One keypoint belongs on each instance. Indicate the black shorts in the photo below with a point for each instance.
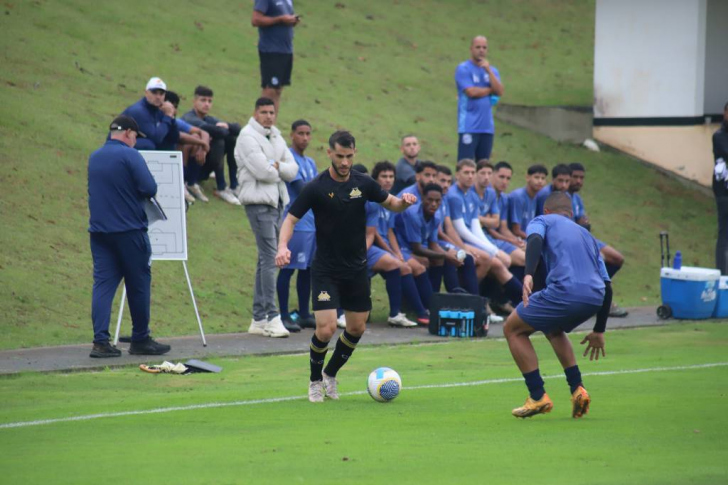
(350, 292)
(275, 69)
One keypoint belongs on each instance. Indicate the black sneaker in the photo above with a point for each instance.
(103, 350)
(148, 347)
(291, 326)
(307, 322)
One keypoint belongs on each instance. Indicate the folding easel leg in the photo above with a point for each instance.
(194, 304)
(121, 313)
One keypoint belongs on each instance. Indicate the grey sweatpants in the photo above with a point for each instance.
(265, 221)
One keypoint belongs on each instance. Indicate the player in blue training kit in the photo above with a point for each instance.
(613, 259)
(560, 180)
(523, 201)
(477, 83)
(303, 242)
(577, 288)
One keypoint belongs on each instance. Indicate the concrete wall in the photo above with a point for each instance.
(571, 125)
(716, 57)
(649, 58)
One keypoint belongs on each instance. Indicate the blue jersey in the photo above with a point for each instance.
(522, 208)
(504, 205)
(463, 205)
(577, 206)
(413, 189)
(279, 37)
(575, 270)
(488, 204)
(475, 115)
(410, 227)
(444, 210)
(306, 172)
(384, 220)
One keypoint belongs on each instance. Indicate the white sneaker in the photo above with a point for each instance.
(330, 387)
(341, 321)
(257, 327)
(316, 391)
(189, 197)
(493, 318)
(400, 320)
(274, 328)
(236, 191)
(227, 196)
(196, 190)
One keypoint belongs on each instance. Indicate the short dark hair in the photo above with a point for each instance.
(425, 164)
(203, 91)
(410, 135)
(560, 169)
(383, 166)
(361, 168)
(558, 202)
(431, 187)
(444, 169)
(465, 162)
(298, 123)
(577, 167)
(172, 97)
(538, 168)
(501, 165)
(342, 138)
(484, 163)
(263, 101)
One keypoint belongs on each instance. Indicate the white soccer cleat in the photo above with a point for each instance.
(316, 391)
(274, 328)
(400, 320)
(341, 321)
(493, 318)
(227, 196)
(257, 327)
(330, 387)
(196, 190)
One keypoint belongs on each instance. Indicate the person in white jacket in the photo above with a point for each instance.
(264, 166)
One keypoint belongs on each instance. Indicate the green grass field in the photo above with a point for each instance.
(379, 68)
(655, 419)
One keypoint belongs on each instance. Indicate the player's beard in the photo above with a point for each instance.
(343, 176)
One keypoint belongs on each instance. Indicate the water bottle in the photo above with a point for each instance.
(677, 262)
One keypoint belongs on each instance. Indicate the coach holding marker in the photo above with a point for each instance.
(339, 277)
(119, 184)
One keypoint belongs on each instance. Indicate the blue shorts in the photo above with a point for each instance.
(406, 252)
(302, 246)
(445, 245)
(374, 254)
(475, 146)
(547, 312)
(601, 244)
(504, 246)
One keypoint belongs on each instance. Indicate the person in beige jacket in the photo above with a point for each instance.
(264, 166)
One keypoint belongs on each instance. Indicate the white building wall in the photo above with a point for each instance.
(716, 57)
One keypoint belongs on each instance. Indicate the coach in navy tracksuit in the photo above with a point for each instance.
(119, 183)
(155, 118)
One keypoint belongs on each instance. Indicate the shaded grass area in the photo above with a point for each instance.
(665, 419)
(380, 69)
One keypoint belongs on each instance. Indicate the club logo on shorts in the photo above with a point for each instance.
(467, 139)
(274, 81)
(355, 193)
(324, 296)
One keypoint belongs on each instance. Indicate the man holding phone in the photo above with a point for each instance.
(275, 21)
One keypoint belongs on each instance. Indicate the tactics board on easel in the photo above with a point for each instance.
(168, 238)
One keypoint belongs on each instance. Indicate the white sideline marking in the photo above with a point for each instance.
(23, 424)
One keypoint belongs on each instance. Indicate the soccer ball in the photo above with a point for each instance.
(384, 384)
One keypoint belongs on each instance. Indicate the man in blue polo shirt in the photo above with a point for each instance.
(155, 118)
(119, 185)
(275, 20)
(477, 81)
(523, 200)
(577, 288)
(303, 242)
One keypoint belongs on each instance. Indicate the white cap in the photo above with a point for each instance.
(156, 83)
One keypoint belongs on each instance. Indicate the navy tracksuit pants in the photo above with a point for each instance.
(118, 255)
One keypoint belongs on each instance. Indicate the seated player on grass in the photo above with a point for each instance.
(560, 180)
(577, 288)
(425, 173)
(381, 259)
(522, 201)
(613, 259)
(500, 180)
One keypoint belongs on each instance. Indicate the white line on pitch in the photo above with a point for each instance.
(87, 417)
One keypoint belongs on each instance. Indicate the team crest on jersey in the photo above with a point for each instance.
(324, 296)
(355, 193)
(331, 195)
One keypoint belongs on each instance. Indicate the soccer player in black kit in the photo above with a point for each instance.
(339, 276)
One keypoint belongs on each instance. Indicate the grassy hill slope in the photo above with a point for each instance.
(379, 68)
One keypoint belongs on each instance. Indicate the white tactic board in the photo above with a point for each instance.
(168, 238)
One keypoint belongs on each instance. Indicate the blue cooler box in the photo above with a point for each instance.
(690, 292)
(721, 308)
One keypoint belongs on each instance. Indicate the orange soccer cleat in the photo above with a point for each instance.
(580, 402)
(531, 407)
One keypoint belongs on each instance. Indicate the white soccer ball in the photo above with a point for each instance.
(384, 384)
